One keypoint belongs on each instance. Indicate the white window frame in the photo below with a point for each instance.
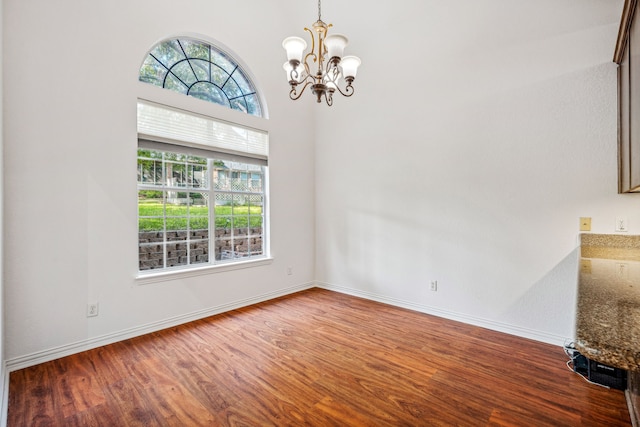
(152, 94)
(211, 192)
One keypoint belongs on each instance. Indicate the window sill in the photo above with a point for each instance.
(147, 278)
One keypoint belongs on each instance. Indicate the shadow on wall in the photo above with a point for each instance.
(550, 303)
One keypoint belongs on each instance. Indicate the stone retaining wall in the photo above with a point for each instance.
(151, 252)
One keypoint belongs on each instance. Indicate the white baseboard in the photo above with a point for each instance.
(471, 320)
(68, 349)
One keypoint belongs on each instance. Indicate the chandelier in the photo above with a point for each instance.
(338, 71)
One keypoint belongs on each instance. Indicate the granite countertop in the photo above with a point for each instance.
(608, 311)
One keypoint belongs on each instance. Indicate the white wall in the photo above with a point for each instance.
(472, 171)
(71, 81)
(3, 373)
(479, 133)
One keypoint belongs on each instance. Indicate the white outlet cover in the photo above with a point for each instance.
(92, 309)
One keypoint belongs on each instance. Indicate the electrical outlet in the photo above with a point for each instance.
(434, 285)
(92, 309)
(621, 224)
(289, 271)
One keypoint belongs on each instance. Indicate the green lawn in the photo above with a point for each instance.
(226, 216)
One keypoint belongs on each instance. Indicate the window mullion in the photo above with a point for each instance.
(212, 213)
(165, 253)
(176, 207)
(185, 179)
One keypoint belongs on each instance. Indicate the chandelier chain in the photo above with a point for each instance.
(319, 14)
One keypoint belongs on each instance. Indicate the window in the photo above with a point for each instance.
(202, 182)
(180, 195)
(200, 70)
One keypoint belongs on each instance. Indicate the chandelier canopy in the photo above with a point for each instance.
(333, 69)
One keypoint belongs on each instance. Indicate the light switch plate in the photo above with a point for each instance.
(585, 223)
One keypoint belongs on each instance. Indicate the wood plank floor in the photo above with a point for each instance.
(315, 358)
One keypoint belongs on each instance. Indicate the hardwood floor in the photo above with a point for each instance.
(315, 358)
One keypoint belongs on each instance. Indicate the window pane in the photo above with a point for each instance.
(177, 254)
(223, 62)
(232, 89)
(242, 82)
(197, 176)
(184, 72)
(174, 220)
(224, 202)
(223, 249)
(199, 223)
(256, 200)
(172, 83)
(241, 248)
(253, 105)
(150, 256)
(192, 61)
(199, 252)
(152, 72)
(174, 157)
(168, 53)
(149, 167)
(240, 204)
(150, 171)
(218, 75)
(196, 160)
(195, 49)
(151, 224)
(199, 213)
(255, 185)
(199, 205)
(240, 182)
(201, 68)
(255, 245)
(220, 176)
(239, 104)
(255, 212)
(177, 228)
(208, 92)
(150, 204)
(176, 174)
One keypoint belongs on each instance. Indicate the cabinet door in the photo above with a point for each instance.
(623, 124)
(634, 104)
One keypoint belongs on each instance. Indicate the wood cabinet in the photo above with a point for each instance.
(627, 56)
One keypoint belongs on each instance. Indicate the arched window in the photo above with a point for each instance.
(198, 69)
(202, 180)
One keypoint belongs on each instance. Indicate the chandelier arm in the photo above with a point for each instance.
(299, 76)
(348, 90)
(331, 69)
(293, 76)
(328, 97)
(312, 52)
(294, 94)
